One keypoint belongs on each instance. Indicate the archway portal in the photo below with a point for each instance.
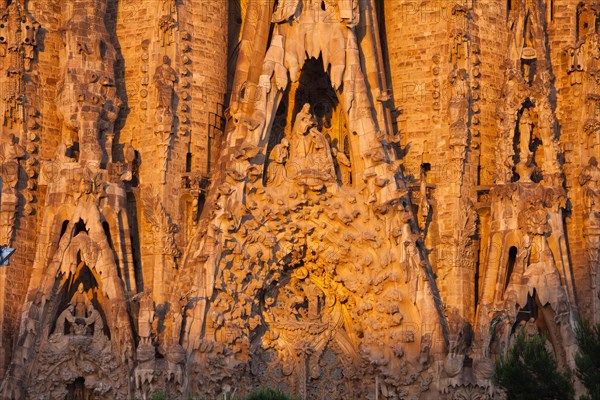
(314, 88)
(78, 391)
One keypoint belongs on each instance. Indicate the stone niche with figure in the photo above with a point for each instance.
(79, 318)
(310, 139)
(78, 347)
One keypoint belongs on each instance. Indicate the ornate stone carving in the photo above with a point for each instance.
(163, 230)
(18, 37)
(589, 179)
(310, 159)
(277, 172)
(531, 275)
(86, 359)
(146, 318)
(289, 238)
(10, 154)
(87, 101)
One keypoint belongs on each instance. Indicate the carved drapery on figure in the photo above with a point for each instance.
(277, 172)
(458, 112)
(146, 318)
(67, 316)
(310, 160)
(526, 157)
(164, 79)
(10, 154)
(80, 301)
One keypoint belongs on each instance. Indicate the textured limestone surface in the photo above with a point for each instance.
(341, 199)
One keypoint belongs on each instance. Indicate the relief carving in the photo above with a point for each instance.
(87, 102)
(10, 155)
(163, 230)
(310, 158)
(589, 179)
(80, 318)
(277, 172)
(307, 229)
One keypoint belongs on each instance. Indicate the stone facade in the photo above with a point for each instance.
(342, 199)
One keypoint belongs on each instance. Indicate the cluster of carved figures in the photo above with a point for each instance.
(303, 266)
(79, 318)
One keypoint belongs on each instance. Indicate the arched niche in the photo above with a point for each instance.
(512, 258)
(528, 156)
(534, 318)
(80, 290)
(314, 88)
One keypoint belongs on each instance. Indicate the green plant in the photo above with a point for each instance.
(160, 395)
(587, 358)
(268, 394)
(530, 372)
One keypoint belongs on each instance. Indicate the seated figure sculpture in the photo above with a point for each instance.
(310, 159)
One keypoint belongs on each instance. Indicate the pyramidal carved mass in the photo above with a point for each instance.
(341, 199)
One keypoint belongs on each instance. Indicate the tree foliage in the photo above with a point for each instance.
(530, 372)
(587, 358)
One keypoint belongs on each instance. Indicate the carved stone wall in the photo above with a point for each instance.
(339, 198)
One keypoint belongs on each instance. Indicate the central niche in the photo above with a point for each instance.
(313, 88)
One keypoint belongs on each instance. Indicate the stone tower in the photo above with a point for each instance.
(342, 199)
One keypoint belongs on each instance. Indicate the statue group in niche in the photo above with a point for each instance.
(80, 317)
(306, 156)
